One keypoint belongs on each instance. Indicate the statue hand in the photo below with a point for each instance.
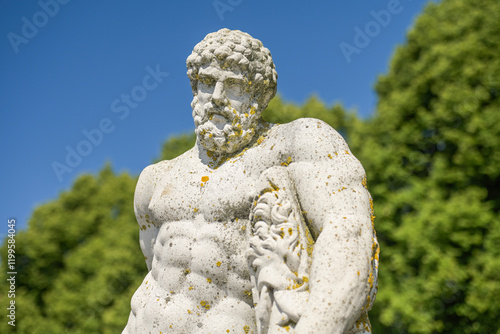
(269, 266)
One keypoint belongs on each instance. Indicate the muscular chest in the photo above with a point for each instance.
(222, 194)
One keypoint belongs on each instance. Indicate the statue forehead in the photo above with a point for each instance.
(215, 71)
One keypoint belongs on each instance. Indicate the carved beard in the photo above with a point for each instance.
(225, 136)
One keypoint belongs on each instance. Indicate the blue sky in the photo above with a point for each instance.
(63, 68)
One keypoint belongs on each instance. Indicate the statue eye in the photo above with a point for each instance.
(207, 81)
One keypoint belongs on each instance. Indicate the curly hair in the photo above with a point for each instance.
(234, 48)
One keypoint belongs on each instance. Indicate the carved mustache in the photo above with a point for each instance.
(209, 110)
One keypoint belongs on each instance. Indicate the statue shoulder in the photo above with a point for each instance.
(147, 182)
(152, 175)
(309, 137)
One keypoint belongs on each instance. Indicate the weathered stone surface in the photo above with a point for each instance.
(259, 228)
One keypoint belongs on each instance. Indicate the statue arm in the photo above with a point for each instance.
(329, 182)
(148, 230)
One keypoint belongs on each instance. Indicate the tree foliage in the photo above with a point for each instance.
(79, 261)
(432, 156)
(432, 152)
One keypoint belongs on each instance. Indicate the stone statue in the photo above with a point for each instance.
(259, 228)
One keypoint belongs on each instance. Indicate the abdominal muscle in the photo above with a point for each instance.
(198, 283)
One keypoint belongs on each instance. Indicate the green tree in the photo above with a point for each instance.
(176, 145)
(432, 152)
(279, 111)
(79, 260)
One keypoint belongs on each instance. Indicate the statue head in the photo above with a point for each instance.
(233, 78)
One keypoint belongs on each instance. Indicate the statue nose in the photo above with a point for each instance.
(219, 95)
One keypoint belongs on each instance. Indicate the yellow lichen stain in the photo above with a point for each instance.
(375, 251)
(371, 279)
(282, 233)
(191, 288)
(243, 228)
(330, 156)
(187, 271)
(209, 280)
(219, 263)
(347, 152)
(248, 293)
(246, 329)
(288, 161)
(358, 272)
(287, 328)
(310, 242)
(205, 304)
(204, 178)
(364, 322)
(195, 210)
(189, 311)
(372, 216)
(273, 186)
(294, 285)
